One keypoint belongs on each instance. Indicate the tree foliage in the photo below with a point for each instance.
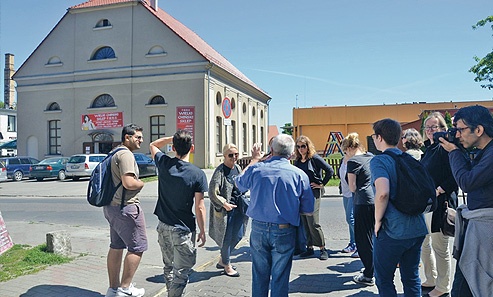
(484, 67)
(286, 130)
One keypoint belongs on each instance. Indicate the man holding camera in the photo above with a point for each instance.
(474, 129)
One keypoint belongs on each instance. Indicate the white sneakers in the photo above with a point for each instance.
(131, 291)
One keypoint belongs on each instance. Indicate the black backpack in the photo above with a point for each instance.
(416, 192)
(101, 188)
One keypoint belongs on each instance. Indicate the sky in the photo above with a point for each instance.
(315, 52)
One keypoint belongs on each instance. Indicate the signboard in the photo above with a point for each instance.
(226, 107)
(5, 240)
(227, 122)
(185, 119)
(97, 121)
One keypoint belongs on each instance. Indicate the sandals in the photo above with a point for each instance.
(218, 266)
(236, 274)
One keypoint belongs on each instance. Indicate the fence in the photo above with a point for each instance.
(334, 162)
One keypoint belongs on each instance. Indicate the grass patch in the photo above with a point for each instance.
(333, 182)
(149, 179)
(22, 260)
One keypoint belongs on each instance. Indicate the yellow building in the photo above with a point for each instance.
(318, 122)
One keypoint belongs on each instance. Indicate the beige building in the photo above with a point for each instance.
(115, 62)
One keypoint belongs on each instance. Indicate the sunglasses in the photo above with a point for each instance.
(235, 154)
(303, 146)
(139, 137)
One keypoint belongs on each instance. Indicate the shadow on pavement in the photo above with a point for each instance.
(347, 267)
(57, 290)
(203, 275)
(157, 279)
(321, 283)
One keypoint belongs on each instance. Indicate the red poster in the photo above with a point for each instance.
(97, 121)
(5, 240)
(185, 119)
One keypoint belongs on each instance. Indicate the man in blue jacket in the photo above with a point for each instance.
(474, 126)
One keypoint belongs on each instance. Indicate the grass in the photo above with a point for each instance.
(22, 259)
(149, 179)
(333, 182)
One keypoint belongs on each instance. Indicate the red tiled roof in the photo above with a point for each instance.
(183, 32)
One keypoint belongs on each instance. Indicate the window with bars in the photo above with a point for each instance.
(254, 134)
(157, 127)
(233, 132)
(54, 137)
(103, 53)
(219, 135)
(262, 138)
(245, 137)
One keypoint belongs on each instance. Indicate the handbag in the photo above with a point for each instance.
(448, 221)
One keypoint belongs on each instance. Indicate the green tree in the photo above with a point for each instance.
(287, 129)
(1, 104)
(484, 67)
(448, 119)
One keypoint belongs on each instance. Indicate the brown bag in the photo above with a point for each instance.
(448, 221)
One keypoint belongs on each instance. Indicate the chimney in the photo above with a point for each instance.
(9, 84)
(154, 4)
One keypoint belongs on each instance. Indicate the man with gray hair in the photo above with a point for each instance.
(279, 192)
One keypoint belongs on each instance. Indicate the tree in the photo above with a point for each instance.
(448, 119)
(1, 104)
(484, 67)
(287, 129)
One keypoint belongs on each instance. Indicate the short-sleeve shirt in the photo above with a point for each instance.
(359, 165)
(123, 162)
(178, 182)
(396, 224)
(279, 191)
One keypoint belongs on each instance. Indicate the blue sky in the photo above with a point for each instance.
(322, 52)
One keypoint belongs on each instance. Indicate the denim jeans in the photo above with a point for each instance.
(387, 253)
(272, 256)
(233, 234)
(179, 256)
(348, 208)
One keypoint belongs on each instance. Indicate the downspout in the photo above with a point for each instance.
(209, 67)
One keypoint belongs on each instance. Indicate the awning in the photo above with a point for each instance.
(9, 145)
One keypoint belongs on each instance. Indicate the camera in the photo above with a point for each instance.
(448, 135)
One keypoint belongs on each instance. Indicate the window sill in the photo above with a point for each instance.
(52, 111)
(102, 60)
(156, 105)
(54, 65)
(102, 28)
(103, 108)
(156, 55)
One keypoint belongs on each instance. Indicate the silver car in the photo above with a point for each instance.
(82, 165)
(3, 172)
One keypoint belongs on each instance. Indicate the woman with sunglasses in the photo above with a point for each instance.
(314, 166)
(435, 159)
(227, 219)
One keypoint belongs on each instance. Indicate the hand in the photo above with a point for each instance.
(257, 153)
(378, 225)
(316, 186)
(448, 146)
(229, 206)
(201, 238)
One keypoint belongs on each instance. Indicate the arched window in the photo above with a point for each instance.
(103, 23)
(53, 106)
(102, 137)
(219, 98)
(105, 52)
(156, 50)
(104, 100)
(54, 60)
(157, 100)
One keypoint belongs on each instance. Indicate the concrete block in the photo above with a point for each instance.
(58, 242)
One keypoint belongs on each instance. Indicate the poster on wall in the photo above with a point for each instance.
(5, 240)
(97, 121)
(185, 119)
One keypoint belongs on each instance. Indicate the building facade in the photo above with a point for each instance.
(115, 62)
(318, 122)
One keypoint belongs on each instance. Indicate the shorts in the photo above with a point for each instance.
(127, 228)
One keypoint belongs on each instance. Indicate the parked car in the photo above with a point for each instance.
(18, 167)
(50, 167)
(147, 166)
(3, 172)
(82, 165)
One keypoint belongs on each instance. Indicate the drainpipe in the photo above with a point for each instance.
(209, 67)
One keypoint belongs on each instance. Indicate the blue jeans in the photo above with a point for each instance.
(272, 255)
(233, 234)
(387, 253)
(348, 207)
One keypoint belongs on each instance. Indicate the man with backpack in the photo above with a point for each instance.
(180, 185)
(126, 218)
(398, 236)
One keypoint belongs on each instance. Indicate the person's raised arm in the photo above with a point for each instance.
(200, 215)
(256, 155)
(157, 144)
